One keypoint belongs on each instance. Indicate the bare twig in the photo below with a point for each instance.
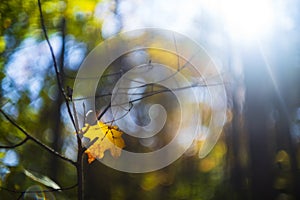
(89, 144)
(21, 196)
(14, 145)
(147, 95)
(95, 77)
(200, 85)
(35, 140)
(79, 169)
(59, 81)
(122, 116)
(39, 191)
(104, 111)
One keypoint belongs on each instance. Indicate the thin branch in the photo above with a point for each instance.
(79, 169)
(152, 93)
(104, 111)
(84, 114)
(50, 46)
(89, 144)
(21, 195)
(37, 141)
(39, 191)
(15, 145)
(95, 77)
(146, 95)
(59, 82)
(148, 92)
(122, 116)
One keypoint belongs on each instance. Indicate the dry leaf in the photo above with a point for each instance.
(107, 138)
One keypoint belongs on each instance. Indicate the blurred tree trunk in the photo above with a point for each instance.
(236, 154)
(56, 111)
(236, 138)
(287, 102)
(258, 108)
(57, 135)
(271, 100)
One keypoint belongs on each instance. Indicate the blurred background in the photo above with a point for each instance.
(255, 45)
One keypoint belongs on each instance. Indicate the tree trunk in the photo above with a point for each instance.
(257, 120)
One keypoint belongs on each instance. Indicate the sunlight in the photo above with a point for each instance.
(247, 20)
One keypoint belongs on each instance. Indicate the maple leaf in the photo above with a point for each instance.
(105, 137)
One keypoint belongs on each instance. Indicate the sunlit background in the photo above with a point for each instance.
(255, 45)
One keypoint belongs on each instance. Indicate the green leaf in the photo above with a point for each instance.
(42, 179)
(2, 154)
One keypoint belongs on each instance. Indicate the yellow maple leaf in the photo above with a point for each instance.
(105, 137)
